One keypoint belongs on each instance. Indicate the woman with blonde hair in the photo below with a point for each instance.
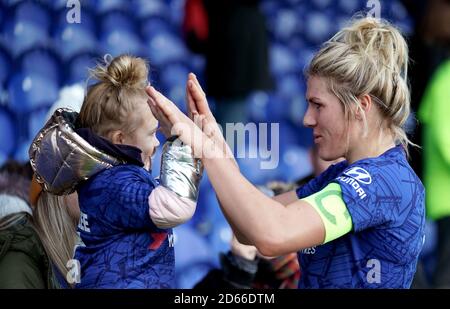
(104, 154)
(360, 224)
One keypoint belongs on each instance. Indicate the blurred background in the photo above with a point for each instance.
(41, 54)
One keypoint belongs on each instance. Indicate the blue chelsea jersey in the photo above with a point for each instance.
(122, 248)
(385, 199)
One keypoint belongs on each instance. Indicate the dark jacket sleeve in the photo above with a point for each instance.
(236, 273)
(19, 271)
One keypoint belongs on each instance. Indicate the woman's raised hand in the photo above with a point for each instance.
(203, 136)
(174, 121)
(200, 113)
(196, 99)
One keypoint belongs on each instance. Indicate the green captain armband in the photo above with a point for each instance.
(332, 210)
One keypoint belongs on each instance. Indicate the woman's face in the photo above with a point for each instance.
(144, 137)
(325, 115)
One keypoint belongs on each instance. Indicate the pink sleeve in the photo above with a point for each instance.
(167, 209)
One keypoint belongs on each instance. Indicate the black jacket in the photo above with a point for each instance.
(23, 261)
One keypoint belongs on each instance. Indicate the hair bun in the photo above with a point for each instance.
(124, 71)
(377, 39)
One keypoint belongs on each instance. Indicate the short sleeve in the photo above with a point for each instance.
(319, 182)
(371, 196)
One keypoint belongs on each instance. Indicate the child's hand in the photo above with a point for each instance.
(175, 122)
(164, 123)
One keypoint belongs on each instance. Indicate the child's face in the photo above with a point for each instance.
(144, 137)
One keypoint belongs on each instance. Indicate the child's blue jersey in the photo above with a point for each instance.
(122, 247)
(385, 199)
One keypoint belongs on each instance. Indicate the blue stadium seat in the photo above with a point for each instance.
(220, 238)
(42, 62)
(30, 91)
(266, 107)
(189, 246)
(349, 7)
(191, 251)
(176, 11)
(288, 134)
(33, 12)
(104, 6)
(431, 238)
(295, 163)
(155, 8)
(208, 210)
(36, 120)
(198, 64)
(156, 160)
(8, 135)
(290, 85)
(173, 82)
(59, 5)
(254, 164)
(305, 56)
(297, 110)
(117, 20)
(270, 7)
(23, 35)
(319, 27)
(3, 158)
(428, 256)
(27, 26)
(285, 24)
(164, 48)
(3, 13)
(119, 35)
(121, 42)
(177, 94)
(72, 39)
(174, 75)
(401, 18)
(77, 68)
(152, 26)
(21, 153)
(321, 4)
(282, 60)
(5, 65)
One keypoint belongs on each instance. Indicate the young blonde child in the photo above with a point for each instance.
(104, 154)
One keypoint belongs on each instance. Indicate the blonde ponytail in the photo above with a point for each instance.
(56, 229)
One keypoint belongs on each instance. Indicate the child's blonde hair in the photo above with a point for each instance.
(369, 56)
(108, 104)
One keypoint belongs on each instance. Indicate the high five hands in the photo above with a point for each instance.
(199, 130)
